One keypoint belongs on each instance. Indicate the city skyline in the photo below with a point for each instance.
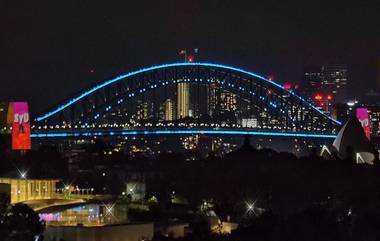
(212, 120)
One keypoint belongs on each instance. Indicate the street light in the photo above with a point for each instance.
(23, 174)
(250, 207)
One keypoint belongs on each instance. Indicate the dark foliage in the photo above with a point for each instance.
(19, 223)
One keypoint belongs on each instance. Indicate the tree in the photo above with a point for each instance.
(20, 223)
(201, 227)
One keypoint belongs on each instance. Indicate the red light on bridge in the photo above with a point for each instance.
(270, 77)
(190, 59)
(318, 97)
(290, 86)
(287, 86)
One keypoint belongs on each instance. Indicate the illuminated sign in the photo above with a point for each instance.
(249, 123)
(20, 126)
(362, 115)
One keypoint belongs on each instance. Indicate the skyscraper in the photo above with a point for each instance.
(228, 101)
(213, 91)
(335, 79)
(326, 82)
(313, 78)
(183, 100)
(220, 100)
(168, 110)
(143, 111)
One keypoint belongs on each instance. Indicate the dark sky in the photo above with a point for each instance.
(49, 48)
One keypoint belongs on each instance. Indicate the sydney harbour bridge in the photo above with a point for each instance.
(186, 98)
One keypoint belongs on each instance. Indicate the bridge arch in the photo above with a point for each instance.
(292, 110)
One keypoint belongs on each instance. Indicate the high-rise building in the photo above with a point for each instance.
(212, 98)
(168, 114)
(335, 79)
(325, 84)
(313, 78)
(143, 111)
(220, 100)
(183, 100)
(228, 101)
(374, 118)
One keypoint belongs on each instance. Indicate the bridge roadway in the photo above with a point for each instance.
(107, 133)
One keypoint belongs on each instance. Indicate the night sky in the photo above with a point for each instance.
(53, 49)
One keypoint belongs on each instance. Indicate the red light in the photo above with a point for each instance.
(269, 92)
(287, 86)
(190, 59)
(296, 86)
(329, 97)
(318, 97)
(270, 77)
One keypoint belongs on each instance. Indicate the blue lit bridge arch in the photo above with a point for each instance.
(182, 98)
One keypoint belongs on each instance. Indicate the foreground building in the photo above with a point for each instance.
(22, 190)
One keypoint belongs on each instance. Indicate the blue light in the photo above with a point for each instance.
(179, 132)
(108, 82)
